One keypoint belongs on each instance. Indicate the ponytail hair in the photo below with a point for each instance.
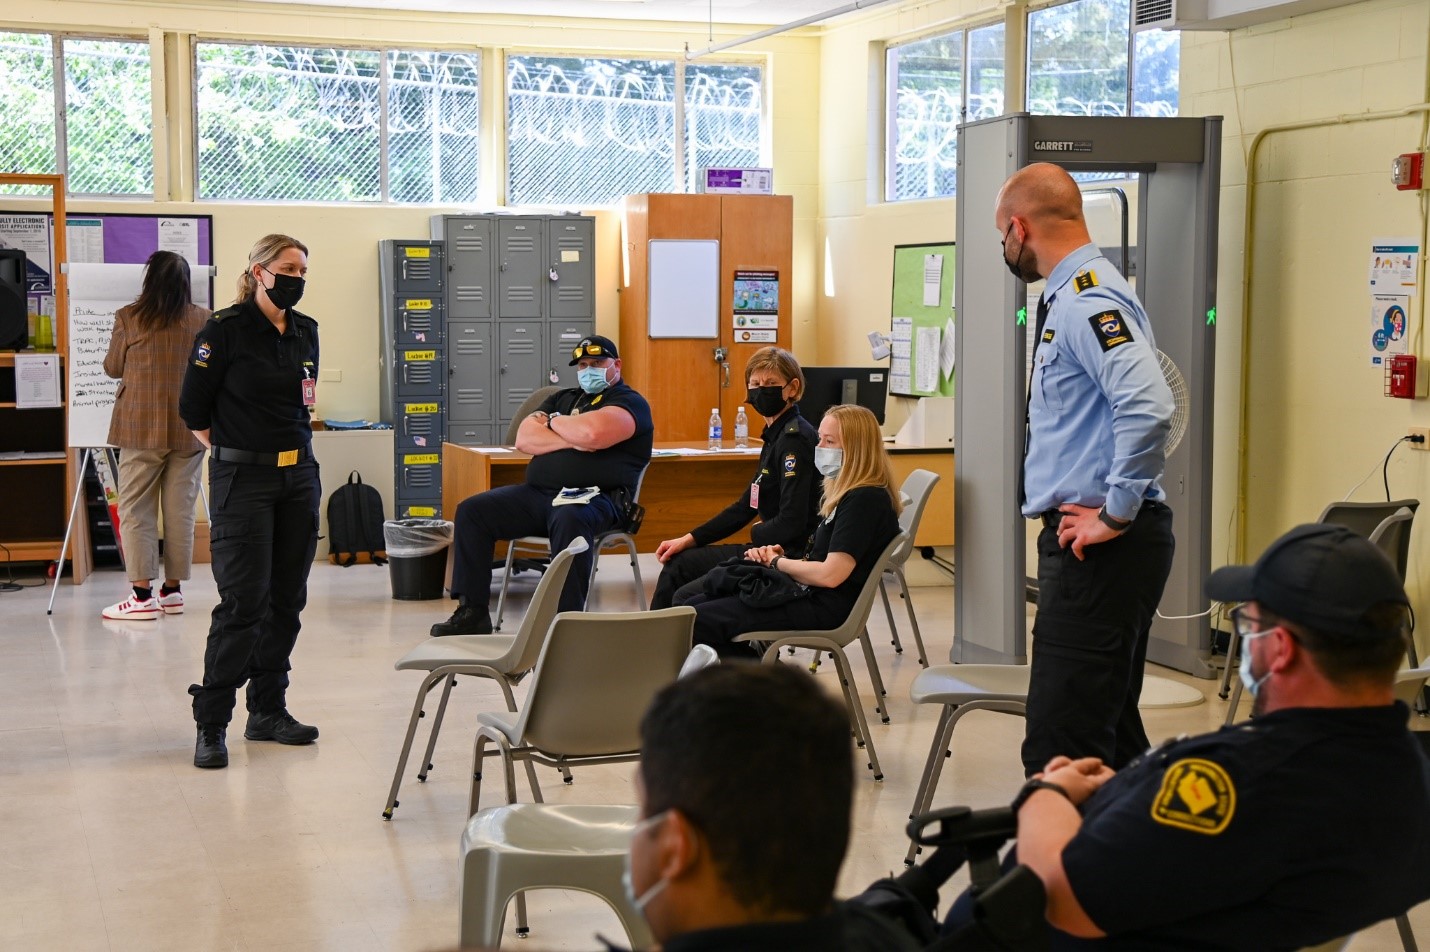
(264, 252)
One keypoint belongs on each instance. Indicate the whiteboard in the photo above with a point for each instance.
(96, 292)
(684, 288)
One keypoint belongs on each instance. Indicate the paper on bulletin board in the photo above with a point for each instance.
(902, 347)
(31, 234)
(933, 279)
(947, 351)
(181, 236)
(1389, 327)
(756, 337)
(37, 381)
(84, 240)
(926, 353)
(1394, 265)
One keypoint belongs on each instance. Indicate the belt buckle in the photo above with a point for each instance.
(288, 458)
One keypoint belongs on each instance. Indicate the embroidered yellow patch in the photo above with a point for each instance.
(1196, 795)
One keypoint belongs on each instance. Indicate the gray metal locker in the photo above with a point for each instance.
(469, 397)
(521, 271)
(471, 264)
(419, 476)
(418, 426)
(520, 360)
(562, 338)
(418, 373)
(418, 321)
(417, 268)
(571, 278)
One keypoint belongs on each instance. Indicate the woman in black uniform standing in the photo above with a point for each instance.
(861, 516)
(247, 395)
(784, 493)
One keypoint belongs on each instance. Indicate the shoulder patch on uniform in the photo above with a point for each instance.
(1048, 336)
(1196, 795)
(1111, 329)
(1084, 280)
(202, 353)
(789, 465)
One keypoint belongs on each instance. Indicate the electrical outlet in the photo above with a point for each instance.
(1420, 438)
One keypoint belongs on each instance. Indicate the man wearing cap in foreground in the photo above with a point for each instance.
(597, 435)
(1305, 824)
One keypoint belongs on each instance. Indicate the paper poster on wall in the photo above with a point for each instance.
(1394, 265)
(31, 234)
(37, 381)
(84, 240)
(756, 337)
(757, 292)
(752, 321)
(181, 236)
(1389, 326)
(901, 347)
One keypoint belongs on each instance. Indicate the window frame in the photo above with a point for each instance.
(61, 105)
(1130, 103)
(384, 101)
(678, 171)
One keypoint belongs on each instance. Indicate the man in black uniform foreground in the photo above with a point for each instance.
(1303, 825)
(596, 435)
(741, 838)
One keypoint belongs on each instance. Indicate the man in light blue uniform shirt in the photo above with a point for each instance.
(1099, 411)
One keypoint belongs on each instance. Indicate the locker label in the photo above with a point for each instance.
(568, 257)
(417, 252)
(419, 304)
(420, 459)
(421, 355)
(421, 512)
(421, 408)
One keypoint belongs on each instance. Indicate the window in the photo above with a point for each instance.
(336, 125)
(584, 131)
(1077, 63)
(106, 137)
(932, 85)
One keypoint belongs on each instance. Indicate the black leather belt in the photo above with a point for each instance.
(285, 458)
(1052, 518)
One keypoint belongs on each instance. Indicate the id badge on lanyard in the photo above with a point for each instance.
(755, 494)
(310, 389)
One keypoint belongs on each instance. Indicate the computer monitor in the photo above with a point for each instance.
(825, 387)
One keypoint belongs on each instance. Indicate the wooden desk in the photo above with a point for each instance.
(681, 492)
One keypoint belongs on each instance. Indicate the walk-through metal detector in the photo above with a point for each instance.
(1176, 165)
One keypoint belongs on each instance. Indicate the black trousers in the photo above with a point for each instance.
(719, 619)
(1090, 642)
(263, 533)
(510, 512)
(681, 577)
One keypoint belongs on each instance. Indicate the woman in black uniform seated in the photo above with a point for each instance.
(784, 493)
(861, 515)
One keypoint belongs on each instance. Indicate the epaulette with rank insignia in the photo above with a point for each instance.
(224, 314)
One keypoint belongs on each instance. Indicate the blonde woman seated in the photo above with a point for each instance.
(861, 515)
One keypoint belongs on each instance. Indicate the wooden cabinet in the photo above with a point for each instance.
(680, 376)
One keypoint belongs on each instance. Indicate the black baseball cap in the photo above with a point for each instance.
(596, 347)
(1319, 575)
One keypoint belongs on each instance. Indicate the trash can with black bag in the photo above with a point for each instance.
(417, 557)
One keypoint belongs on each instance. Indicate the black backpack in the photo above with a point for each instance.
(355, 524)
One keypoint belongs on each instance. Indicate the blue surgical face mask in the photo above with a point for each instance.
(592, 379)
(1248, 679)
(829, 460)
(640, 902)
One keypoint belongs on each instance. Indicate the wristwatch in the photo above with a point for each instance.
(551, 416)
(1032, 787)
(1112, 522)
(775, 562)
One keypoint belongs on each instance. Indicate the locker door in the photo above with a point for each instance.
(469, 390)
(571, 254)
(419, 426)
(418, 268)
(470, 263)
(519, 365)
(520, 270)
(420, 373)
(418, 322)
(562, 340)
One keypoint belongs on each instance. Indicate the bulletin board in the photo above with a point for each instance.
(920, 330)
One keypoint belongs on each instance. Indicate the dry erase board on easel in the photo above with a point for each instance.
(921, 313)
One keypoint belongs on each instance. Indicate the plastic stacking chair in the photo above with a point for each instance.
(596, 675)
(503, 658)
(834, 641)
(539, 546)
(520, 846)
(1391, 535)
(961, 689)
(917, 487)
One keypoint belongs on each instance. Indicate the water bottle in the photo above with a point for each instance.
(717, 431)
(742, 429)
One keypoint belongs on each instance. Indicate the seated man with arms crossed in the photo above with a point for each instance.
(746, 783)
(598, 434)
(1300, 826)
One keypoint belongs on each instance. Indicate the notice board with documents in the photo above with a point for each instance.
(922, 320)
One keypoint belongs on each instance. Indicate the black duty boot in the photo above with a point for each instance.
(281, 726)
(466, 620)
(209, 749)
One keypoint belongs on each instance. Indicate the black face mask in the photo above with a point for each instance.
(768, 402)
(1016, 265)
(287, 290)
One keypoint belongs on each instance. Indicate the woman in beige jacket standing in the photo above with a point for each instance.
(159, 458)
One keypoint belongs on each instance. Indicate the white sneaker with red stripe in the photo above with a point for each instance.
(173, 603)
(133, 609)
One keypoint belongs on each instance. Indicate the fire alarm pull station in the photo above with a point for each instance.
(1400, 376)
(1407, 172)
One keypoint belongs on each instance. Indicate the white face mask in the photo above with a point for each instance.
(644, 899)
(1248, 679)
(829, 460)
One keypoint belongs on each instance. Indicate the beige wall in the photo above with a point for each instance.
(343, 289)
